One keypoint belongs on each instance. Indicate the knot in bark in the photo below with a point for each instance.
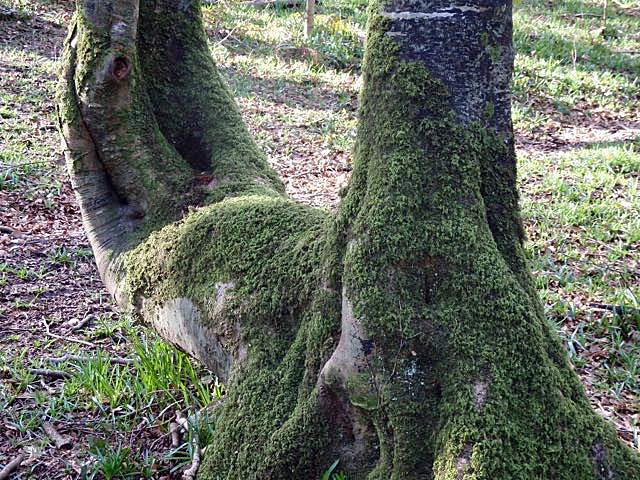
(121, 67)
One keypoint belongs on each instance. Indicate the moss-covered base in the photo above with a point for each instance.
(278, 320)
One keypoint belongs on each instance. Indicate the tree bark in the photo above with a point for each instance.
(401, 334)
(310, 11)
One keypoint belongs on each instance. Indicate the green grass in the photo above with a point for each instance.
(111, 398)
(567, 61)
(582, 210)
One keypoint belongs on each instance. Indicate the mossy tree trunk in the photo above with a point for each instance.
(401, 334)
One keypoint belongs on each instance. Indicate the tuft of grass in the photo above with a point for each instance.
(62, 256)
(114, 400)
(112, 462)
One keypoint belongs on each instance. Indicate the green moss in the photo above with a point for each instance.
(489, 110)
(269, 246)
(494, 52)
(67, 110)
(274, 252)
(435, 272)
(362, 393)
(194, 108)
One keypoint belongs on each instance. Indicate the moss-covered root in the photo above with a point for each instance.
(248, 286)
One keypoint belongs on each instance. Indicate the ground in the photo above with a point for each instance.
(577, 119)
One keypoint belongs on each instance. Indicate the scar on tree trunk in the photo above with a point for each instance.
(400, 334)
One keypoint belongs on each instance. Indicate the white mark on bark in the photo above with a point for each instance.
(442, 13)
(480, 390)
(119, 29)
(463, 461)
(221, 293)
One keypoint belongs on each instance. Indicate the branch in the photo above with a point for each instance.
(190, 473)
(11, 467)
(274, 3)
(80, 358)
(43, 372)
(66, 339)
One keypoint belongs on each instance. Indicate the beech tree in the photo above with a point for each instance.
(401, 334)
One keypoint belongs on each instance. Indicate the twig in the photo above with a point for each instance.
(61, 441)
(79, 358)
(81, 323)
(273, 3)
(175, 434)
(11, 467)
(66, 339)
(14, 165)
(305, 173)
(181, 420)
(227, 36)
(578, 15)
(14, 329)
(617, 309)
(50, 373)
(190, 473)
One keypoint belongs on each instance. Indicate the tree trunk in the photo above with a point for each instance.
(401, 334)
(310, 11)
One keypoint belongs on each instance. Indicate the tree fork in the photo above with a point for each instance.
(401, 334)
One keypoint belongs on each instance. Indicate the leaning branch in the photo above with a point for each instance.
(190, 473)
(61, 441)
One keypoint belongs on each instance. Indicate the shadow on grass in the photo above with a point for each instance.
(324, 50)
(310, 93)
(44, 36)
(591, 55)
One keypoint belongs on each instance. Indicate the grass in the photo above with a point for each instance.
(583, 216)
(105, 398)
(569, 58)
(580, 203)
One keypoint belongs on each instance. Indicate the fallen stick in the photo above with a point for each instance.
(11, 467)
(80, 358)
(66, 339)
(617, 309)
(73, 326)
(174, 429)
(191, 472)
(61, 441)
(43, 372)
(274, 3)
